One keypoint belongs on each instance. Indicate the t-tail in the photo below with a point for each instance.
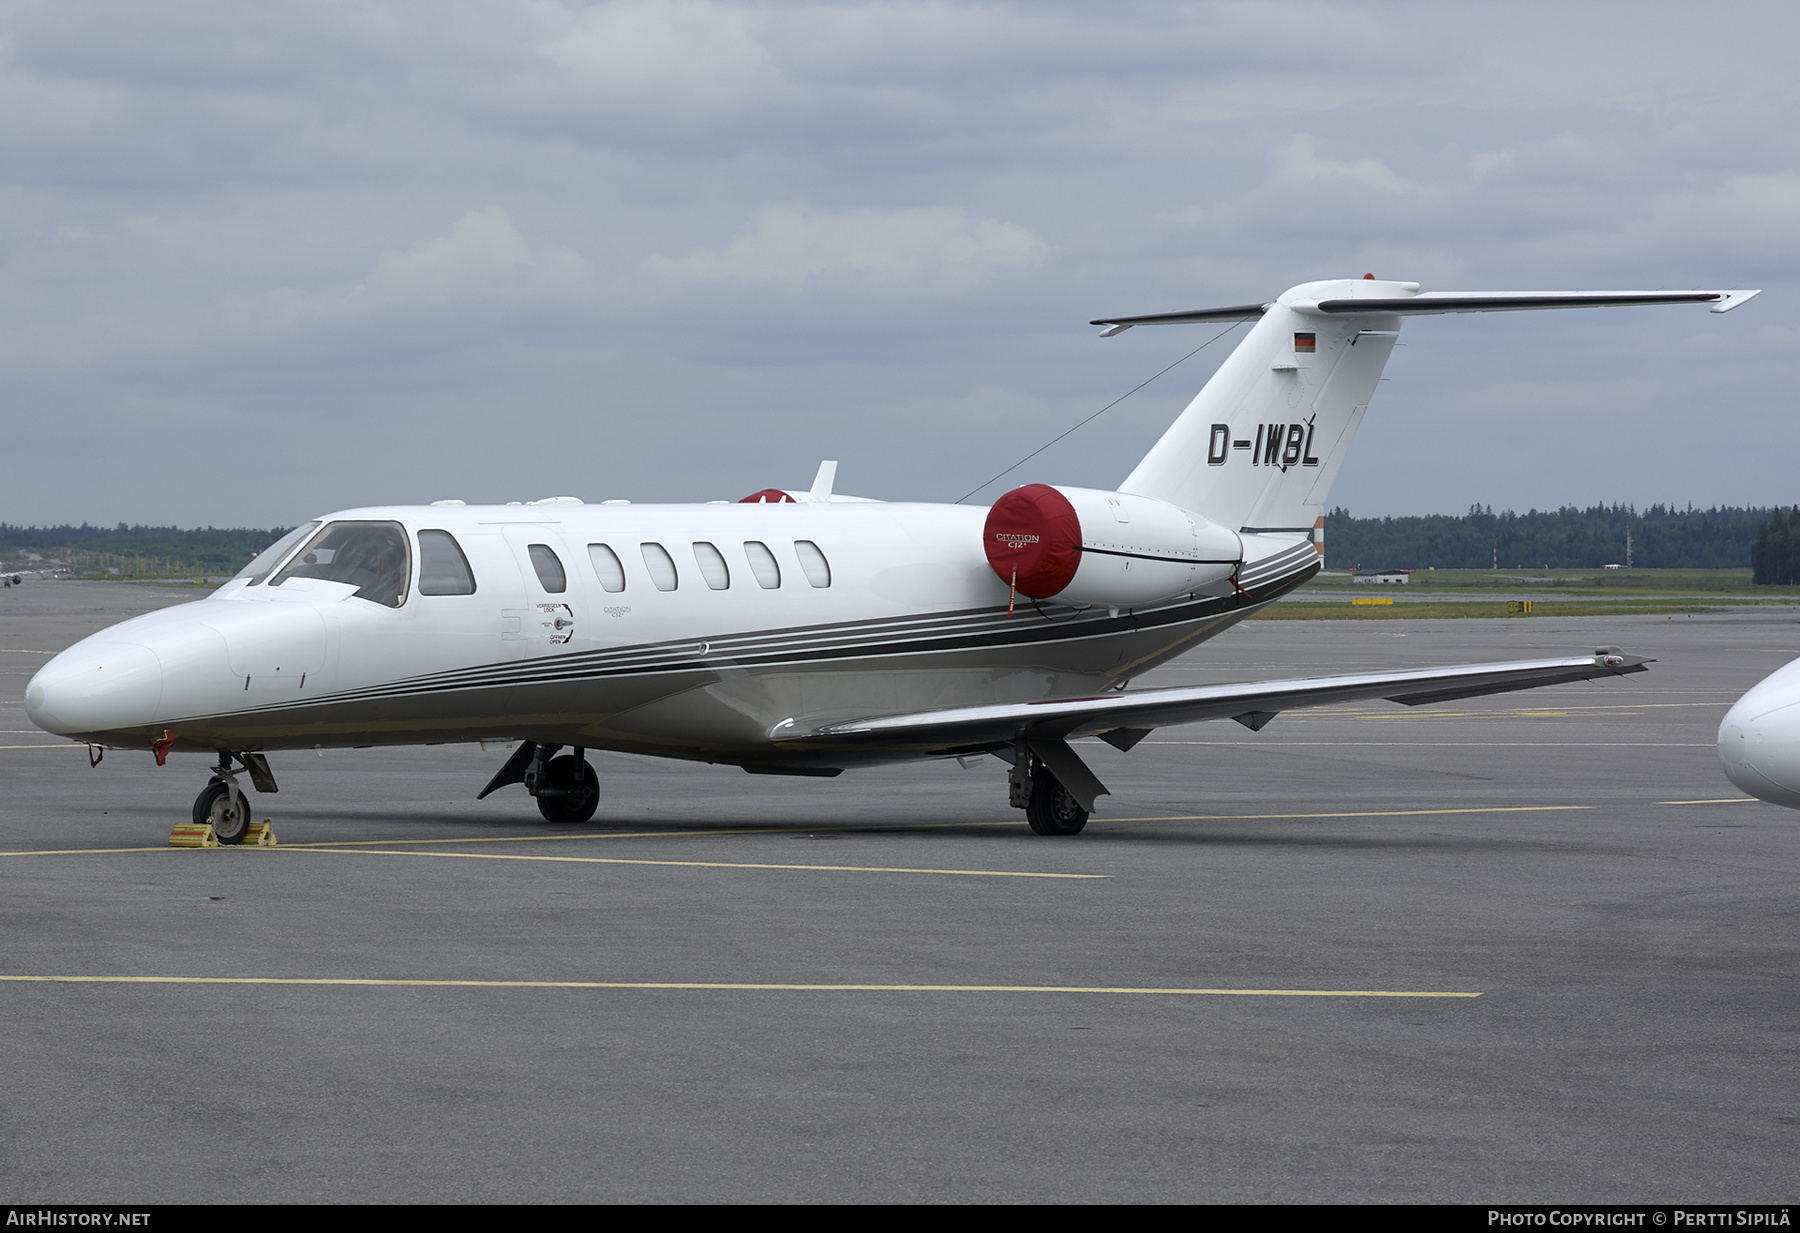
(1231, 500)
(1259, 446)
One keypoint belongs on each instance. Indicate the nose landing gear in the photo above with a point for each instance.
(224, 804)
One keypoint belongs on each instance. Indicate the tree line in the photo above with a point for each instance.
(1775, 552)
(213, 550)
(1661, 537)
(1764, 539)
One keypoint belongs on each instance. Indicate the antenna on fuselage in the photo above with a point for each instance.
(822, 482)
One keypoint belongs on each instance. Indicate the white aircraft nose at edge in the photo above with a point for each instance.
(801, 633)
(1759, 738)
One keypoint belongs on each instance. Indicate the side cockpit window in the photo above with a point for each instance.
(370, 556)
(443, 569)
(263, 563)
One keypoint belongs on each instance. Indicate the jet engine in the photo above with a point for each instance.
(1086, 546)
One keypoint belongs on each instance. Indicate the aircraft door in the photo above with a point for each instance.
(554, 591)
(467, 578)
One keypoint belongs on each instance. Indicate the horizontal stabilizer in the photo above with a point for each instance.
(1433, 302)
(1239, 312)
(977, 727)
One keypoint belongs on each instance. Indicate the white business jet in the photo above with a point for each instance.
(1759, 738)
(801, 632)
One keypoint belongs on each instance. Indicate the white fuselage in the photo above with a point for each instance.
(906, 613)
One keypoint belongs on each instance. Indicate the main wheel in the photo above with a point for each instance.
(565, 797)
(1052, 810)
(229, 815)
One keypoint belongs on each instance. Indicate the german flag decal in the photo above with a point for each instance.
(1304, 343)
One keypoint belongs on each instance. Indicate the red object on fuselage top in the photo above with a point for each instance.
(1033, 540)
(767, 496)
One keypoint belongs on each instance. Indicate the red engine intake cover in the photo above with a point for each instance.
(1033, 540)
(768, 496)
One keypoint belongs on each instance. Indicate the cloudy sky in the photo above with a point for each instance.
(261, 261)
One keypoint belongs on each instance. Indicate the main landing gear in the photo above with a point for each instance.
(1051, 783)
(223, 803)
(1052, 810)
(567, 788)
(1049, 807)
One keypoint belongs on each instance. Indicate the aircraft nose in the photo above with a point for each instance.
(95, 688)
(1759, 746)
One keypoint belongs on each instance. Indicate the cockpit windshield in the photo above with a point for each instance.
(263, 563)
(370, 556)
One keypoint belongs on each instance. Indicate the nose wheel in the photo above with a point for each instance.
(223, 805)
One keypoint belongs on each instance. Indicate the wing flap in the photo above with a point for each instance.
(975, 727)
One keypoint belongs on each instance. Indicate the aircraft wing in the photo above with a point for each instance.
(1124, 718)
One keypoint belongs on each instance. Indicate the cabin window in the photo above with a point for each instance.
(813, 563)
(370, 556)
(607, 567)
(763, 564)
(549, 568)
(263, 563)
(443, 569)
(712, 566)
(661, 566)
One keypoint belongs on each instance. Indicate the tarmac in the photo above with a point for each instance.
(1532, 948)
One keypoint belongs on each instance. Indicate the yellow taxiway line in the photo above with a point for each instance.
(1370, 813)
(736, 986)
(348, 845)
(615, 860)
(395, 843)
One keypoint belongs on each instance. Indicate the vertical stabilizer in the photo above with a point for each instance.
(1260, 445)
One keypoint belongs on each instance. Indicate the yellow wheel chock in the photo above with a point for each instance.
(191, 835)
